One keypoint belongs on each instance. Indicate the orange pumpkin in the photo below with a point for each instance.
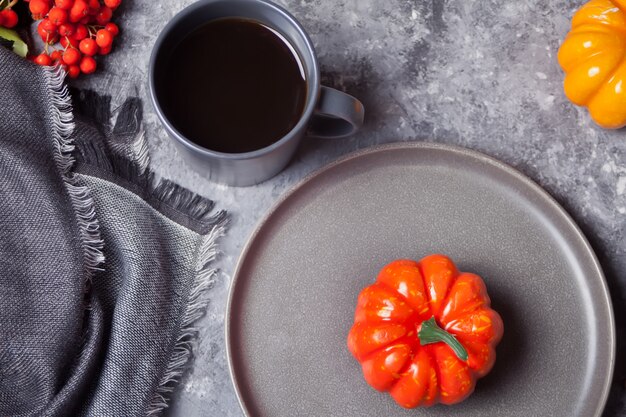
(593, 56)
(397, 338)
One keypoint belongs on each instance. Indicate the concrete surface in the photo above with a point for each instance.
(480, 74)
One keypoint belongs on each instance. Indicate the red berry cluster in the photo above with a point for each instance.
(8, 17)
(81, 27)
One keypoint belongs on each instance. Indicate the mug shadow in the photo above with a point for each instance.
(360, 81)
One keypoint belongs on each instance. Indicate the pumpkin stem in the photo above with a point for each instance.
(430, 332)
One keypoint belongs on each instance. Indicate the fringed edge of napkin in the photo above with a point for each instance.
(196, 307)
(204, 280)
(127, 164)
(62, 127)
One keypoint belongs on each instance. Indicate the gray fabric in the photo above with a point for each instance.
(41, 260)
(102, 268)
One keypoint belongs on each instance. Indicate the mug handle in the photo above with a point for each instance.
(337, 115)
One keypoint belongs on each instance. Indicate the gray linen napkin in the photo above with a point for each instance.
(102, 267)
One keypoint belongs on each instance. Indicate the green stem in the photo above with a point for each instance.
(432, 333)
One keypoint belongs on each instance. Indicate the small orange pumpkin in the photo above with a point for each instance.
(593, 56)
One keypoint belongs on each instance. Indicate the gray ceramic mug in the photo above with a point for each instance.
(328, 113)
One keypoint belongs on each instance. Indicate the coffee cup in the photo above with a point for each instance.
(209, 126)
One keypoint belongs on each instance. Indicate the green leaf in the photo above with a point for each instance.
(19, 46)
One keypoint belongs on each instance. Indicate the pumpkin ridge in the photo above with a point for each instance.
(605, 80)
(589, 14)
(426, 290)
(435, 366)
(599, 24)
(389, 288)
(468, 314)
(471, 348)
(482, 302)
(595, 54)
(608, 40)
(454, 280)
(406, 366)
(618, 61)
(397, 341)
(587, 27)
(445, 297)
(620, 6)
(400, 295)
(405, 298)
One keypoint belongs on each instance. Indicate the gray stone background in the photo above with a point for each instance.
(480, 74)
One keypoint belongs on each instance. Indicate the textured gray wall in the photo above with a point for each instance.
(480, 74)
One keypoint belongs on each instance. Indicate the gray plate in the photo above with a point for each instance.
(294, 291)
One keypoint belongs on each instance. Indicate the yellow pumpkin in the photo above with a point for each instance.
(593, 56)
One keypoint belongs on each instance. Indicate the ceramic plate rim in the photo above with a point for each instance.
(463, 152)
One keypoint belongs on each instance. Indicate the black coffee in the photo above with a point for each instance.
(233, 85)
